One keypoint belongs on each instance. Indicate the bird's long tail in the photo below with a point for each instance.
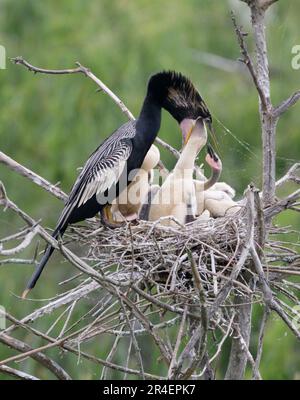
(59, 231)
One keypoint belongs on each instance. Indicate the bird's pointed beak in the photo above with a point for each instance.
(210, 151)
(213, 135)
(212, 159)
(187, 126)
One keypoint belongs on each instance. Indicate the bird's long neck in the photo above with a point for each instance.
(147, 125)
(212, 179)
(189, 153)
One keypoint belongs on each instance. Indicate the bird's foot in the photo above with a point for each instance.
(107, 222)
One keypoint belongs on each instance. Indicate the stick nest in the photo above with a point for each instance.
(174, 264)
(156, 255)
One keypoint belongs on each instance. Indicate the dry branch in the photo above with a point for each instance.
(290, 176)
(286, 104)
(27, 173)
(17, 374)
(246, 59)
(36, 354)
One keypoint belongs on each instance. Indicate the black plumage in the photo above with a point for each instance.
(106, 172)
(179, 96)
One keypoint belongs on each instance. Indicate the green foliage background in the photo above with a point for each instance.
(52, 123)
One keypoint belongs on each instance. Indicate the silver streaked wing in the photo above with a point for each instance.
(106, 172)
(102, 158)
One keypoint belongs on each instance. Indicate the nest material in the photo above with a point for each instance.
(157, 255)
(158, 259)
(154, 255)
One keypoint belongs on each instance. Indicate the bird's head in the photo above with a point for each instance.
(213, 160)
(176, 93)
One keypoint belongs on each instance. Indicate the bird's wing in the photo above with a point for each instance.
(105, 152)
(106, 172)
(101, 171)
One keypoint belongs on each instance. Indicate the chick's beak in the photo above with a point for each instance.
(212, 159)
(187, 126)
(213, 136)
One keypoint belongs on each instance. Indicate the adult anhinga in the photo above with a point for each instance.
(106, 172)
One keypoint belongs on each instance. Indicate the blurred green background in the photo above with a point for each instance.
(52, 123)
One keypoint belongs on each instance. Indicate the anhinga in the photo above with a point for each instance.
(127, 206)
(176, 197)
(106, 172)
(219, 203)
(224, 187)
(218, 200)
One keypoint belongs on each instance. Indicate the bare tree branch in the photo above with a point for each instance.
(262, 4)
(17, 374)
(265, 4)
(260, 341)
(173, 367)
(290, 176)
(268, 296)
(25, 243)
(82, 70)
(286, 104)
(282, 204)
(246, 59)
(36, 354)
(238, 353)
(261, 79)
(27, 173)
